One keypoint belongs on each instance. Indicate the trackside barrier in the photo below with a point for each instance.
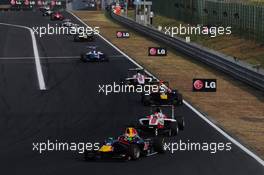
(228, 65)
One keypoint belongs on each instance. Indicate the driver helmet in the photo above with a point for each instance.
(130, 133)
(162, 85)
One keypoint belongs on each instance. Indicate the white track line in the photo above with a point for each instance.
(50, 57)
(250, 153)
(41, 81)
(29, 58)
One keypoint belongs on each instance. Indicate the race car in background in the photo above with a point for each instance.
(44, 8)
(164, 96)
(158, 123)
(129, 146)
(57, 16)
(93, 55)
(83, 36)
(68, 23)
(47, 13)
(137, 76)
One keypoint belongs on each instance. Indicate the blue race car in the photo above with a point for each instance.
(93, 55)
(129, 146)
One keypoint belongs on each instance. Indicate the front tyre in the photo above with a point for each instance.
(173, 129)
(134, 152)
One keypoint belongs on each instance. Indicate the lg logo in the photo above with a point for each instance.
(157, 51)
(198, 84)
(211, 85)
(204, 85)
(153, 51)
(122, 34)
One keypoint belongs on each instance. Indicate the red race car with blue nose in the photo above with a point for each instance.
(129, 146)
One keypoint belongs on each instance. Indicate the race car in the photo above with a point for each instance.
(83, 36)
(47, 13)
(94, 55)
(68, 23)
(44, 8)
(57, 16)
(164, 96)
(129, 146)
(159, 123)
(137, 76)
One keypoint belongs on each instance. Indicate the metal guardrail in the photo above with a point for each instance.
(242, 72)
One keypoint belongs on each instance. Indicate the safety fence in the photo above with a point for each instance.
(242, 72)
(245, 19)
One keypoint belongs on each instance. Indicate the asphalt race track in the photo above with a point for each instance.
(72, 110)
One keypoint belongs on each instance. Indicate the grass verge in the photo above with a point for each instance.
(232, 45)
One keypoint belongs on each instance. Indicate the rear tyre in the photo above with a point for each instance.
(134, 152)
(174, 129)
(181, 123)
(158, 145)
(179, 99)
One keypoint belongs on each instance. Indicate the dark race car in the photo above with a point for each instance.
(47, 13)
(93, 55)
(57, 16)
(158, 123)
(68, 23)
(83, 36)
(127, 147)
(44, 8)
(137, 76)
(164, 95)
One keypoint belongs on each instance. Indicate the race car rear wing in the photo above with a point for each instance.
(171, 106)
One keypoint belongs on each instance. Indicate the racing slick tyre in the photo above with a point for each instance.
(179, 99)
(181, 123)
(173, 129)
(133, 152)
(158, 145)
